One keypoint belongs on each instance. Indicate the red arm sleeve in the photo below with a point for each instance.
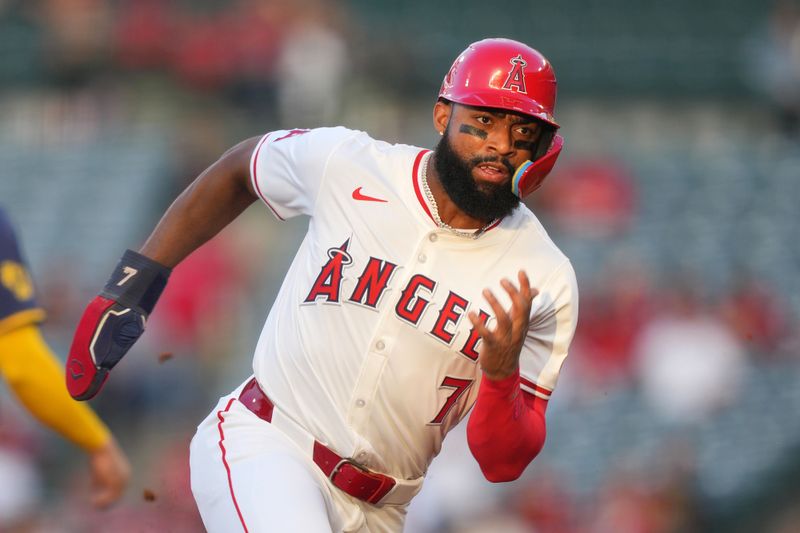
(506, 429)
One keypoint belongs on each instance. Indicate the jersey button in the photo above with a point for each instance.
(360, 403)
(422, 258)
(433, 237)
(380, 345)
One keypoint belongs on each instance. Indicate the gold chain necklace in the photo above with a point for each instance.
(471, 234)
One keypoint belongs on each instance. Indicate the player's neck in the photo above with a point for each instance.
(449, 212)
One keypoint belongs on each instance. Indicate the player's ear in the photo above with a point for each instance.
(441, 115)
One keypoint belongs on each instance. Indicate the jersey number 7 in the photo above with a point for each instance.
(460, 386)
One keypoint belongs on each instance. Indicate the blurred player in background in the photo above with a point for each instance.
(34, 375)
(423, 289)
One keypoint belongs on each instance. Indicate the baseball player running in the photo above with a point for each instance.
(423, 289)
(34, 375)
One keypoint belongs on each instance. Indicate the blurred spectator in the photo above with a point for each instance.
(613, 311)
(312, 66)
(755, 315)
(774, 66)
(143, 32)
(544, 504)
(18, 507)
(195, 314)
(77, 35)
(592, 198)
(200, 58)
(689, 363)
(623, 506)
(22, 485)
(654, 498)
(259, 28)
(493, 522)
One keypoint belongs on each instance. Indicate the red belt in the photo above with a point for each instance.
(345, 474)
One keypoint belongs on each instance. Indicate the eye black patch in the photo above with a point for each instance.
(472, 130)
(525, 145)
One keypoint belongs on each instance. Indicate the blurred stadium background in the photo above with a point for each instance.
(676, 199)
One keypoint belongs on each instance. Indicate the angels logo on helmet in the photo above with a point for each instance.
(515, 81)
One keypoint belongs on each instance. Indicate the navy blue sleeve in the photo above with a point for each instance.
(17, 294)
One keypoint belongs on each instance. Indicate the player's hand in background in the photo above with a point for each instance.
(501, 347)
(112, 322)
(110, 474)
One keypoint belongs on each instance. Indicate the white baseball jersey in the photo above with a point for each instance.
(367, 345)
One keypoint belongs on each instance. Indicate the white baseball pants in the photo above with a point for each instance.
(248, 476)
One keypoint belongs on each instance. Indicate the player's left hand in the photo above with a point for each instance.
(501, 347)
(110, 474)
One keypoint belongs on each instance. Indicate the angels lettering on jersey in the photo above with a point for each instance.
(412, 303)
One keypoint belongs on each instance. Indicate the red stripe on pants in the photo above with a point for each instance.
(225, 461)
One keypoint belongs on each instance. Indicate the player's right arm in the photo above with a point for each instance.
(115, 319)
(283, 168)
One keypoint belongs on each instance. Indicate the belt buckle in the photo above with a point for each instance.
(340, 464)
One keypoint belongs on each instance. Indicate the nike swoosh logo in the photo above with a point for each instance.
(357, 195)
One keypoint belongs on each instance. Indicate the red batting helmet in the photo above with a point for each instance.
(509, 75)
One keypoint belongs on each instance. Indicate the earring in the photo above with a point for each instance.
(441, 133)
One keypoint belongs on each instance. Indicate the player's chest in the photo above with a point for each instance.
(423, 279)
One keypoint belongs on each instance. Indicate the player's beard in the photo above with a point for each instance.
(485, 201)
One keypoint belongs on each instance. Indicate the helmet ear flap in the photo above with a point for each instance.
(530, 174)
